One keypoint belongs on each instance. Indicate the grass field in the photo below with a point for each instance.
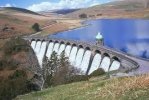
(130, 88)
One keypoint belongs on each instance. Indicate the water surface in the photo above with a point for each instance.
(127, 35)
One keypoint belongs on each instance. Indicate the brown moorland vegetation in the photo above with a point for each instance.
(18, 65)
(18, 23)
(14, 22)
(116, 9)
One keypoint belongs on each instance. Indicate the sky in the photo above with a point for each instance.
(43, 5)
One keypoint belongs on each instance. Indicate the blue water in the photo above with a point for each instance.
(127, 35)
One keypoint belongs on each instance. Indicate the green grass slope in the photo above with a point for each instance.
(130, 88)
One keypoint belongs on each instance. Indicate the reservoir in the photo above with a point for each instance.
(126, 35)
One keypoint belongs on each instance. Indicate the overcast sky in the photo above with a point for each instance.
(42, 5)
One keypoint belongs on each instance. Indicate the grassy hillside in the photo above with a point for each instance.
(130, 88)
(116, 9)
(17, 21)
(21, 10)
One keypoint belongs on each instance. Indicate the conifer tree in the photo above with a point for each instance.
(50, 68)
(62, 70)
(57, 70)
(36, 27)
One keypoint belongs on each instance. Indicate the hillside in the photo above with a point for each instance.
(18, 66)
(116, 9)
(21, 10)
(17, 21)
(64, 11)
(129, 88)
(60, 11)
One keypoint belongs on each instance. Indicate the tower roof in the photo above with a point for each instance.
(99, 36)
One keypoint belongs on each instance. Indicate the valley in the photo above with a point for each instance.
(95, 52)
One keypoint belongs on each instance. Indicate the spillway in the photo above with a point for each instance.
(115, 65)
(95, 63)
(61, 49)
(67, 50)
(37, 48)
(85, 61)
(73, 55)
(79, 57)
(33, 44)
(50, 49)
(41, 53)
(56, 47)
(105, 64)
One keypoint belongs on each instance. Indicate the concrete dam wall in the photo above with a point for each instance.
(87, 57)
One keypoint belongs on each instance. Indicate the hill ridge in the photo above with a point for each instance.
(19, 10)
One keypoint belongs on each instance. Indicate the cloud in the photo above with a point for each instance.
(7, 5)
(63, 4)
(138, 49)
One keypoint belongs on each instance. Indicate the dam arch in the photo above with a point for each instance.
(96, 53)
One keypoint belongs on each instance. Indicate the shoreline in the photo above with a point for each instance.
(85, 25)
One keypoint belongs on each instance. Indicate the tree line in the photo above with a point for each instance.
(57, 70)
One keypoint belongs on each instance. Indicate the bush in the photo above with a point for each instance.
(12, 64)
(18, 74)
(15, 45)
(83, 15)
(10, 88)
(32, 86)
(36, 27)
(48, 81)
(8, 63)
(16, 84)
(99, 14)
(2, 64)
(77, 78)
(5, 28)
(91, 15)
(97, 72)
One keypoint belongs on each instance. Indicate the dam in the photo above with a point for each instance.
(85, 56)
